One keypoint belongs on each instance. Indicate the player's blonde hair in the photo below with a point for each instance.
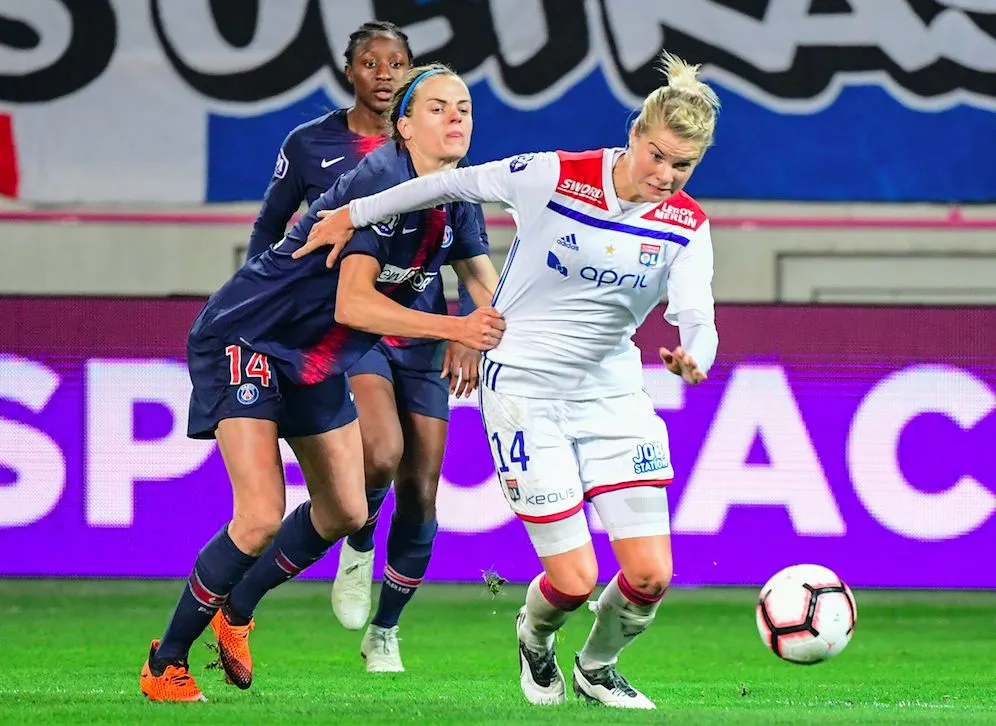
(404, 95)
(684, 105)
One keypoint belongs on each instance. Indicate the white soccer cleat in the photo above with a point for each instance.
(351, 588)
(539, 675)
(606, 685)
(380, 650)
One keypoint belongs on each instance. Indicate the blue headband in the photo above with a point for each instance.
(411, 89)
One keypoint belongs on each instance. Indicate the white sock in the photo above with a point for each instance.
(546, 610)
(622, 615)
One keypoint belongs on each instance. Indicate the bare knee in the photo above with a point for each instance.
(381, 457)
(253, 531)
(415, 496)
(650, 578)
(576, 577)
(335, 522)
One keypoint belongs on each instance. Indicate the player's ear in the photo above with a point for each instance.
(405, 128)
(348, 70)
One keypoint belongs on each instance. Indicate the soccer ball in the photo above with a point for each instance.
(806, 614)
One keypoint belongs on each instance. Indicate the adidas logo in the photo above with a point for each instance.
(569, 241)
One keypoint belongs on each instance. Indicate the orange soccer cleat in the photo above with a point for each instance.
(233, 648)
(174, 683)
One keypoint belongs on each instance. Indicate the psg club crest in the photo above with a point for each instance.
(513, 489)
(650, 254)
(247, 394)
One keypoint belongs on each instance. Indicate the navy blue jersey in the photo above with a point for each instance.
(311, 159)
(285, 308)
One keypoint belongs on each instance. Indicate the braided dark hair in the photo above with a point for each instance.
(375, 29)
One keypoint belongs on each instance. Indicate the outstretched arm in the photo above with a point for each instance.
(507, 181)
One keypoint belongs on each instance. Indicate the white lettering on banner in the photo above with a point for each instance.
(27, 450)
(50, 15)
(785, 57)
(772, 43)
(115, 461)
(296, 494)
(874, 441)
(191, 27)
(758, 401)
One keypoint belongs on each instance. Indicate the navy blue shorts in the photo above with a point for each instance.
(414, 373)
(232, 381)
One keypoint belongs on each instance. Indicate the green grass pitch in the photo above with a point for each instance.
(70, 652)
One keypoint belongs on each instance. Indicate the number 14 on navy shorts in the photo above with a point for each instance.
(232, 381)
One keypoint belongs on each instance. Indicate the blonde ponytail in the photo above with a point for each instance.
(684, 105)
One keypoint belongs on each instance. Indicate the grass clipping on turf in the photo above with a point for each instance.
(493, 581)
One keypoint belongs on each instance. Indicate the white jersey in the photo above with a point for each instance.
(583, 273)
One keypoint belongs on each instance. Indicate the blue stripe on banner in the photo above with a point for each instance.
(504, 273)
(616, 226)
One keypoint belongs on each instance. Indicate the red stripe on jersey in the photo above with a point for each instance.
(318, 360)
(366, 144)
(434, 226)
(8, 158)
(595, 491)
(547, 518)
(680, 210)
(581, 177)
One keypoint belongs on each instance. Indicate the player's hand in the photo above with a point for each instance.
(481, 330)
(334, 227)
(682, 364)
(460, 364)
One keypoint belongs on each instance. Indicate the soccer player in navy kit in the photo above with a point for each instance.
(315, 154)
(403, 400)
(267, 358)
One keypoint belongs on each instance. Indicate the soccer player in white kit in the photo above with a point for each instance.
(602, 237)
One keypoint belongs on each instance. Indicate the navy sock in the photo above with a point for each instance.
(362, 540)
(409, 546)
(296, 546)
(219, 566)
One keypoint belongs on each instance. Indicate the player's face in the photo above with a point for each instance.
(657, 165)
(377, 68)
(441, 120)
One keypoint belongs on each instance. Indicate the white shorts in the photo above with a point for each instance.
(552, 455)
